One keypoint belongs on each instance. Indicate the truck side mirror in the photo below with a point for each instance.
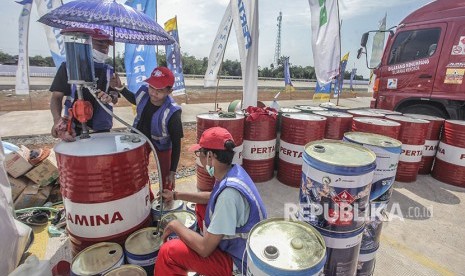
(364, 40)
(391, 33)
(359, 53)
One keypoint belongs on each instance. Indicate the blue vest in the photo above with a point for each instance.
(159, 126)
(101, 120)
(235, 245)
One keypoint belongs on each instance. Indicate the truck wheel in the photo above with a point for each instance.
(425, 110)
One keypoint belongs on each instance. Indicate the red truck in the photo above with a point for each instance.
(423, 65)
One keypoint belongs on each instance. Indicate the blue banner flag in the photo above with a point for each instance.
(340, 79)
(352, 76)
(140, 60)
(173, 57)
(287, 76)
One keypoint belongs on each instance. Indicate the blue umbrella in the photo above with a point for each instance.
(129, 25)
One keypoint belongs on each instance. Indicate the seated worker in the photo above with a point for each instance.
(101, 121)
(158, 118)
(233, 208)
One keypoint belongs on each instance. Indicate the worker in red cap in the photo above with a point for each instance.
(60, 88)
(158, 118)
(233, 208)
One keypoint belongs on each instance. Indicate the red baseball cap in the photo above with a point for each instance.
(213, 138)
(160, 78)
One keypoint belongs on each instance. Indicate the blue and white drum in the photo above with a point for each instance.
(142, 247)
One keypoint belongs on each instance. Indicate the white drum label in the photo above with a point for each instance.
(451, 154)
(237, 159)
(291, 153)
(430, 147)
(411, 153)
(96, 220)
(259, 150)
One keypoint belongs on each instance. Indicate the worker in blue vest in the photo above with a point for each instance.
(234, 206)
(159, 118)
(101, 121)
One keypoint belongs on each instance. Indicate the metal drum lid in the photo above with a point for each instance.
(127, 270)
(143, 241)
(185, 217)
(289, 110)
(219, 117)
(335, 114)
(100, 144)
(287, 245)
(365, 112)
(373, 139)
(337, 153)
(190, 206)
(304, 116)
(376, 121)
(384, 111)
(424, 117)
(97, 258)
(406, 119)
(456, 122)
(309, 108)
(167, 206)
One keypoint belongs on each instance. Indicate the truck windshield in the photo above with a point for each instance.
(414, 44)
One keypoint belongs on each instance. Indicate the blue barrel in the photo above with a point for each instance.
(366, 262)
(336, 184)
(387, 152)
(97, 259)
(285, 248)
(342, 251)
(170, 206)
(187, 218)
(141, 248)
(374, 225)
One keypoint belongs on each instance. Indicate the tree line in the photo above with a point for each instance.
(194, 66)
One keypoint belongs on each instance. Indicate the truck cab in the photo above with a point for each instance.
(423, 65)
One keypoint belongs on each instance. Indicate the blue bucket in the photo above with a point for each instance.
(336, 183)
(285, 248)
(366, 262)
(342, 251)
(387, 152)
(141, 248)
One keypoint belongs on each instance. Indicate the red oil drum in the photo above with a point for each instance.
(449, 165)
(377, 126)
(432, 140)
(364, 113)
(337, 123)
(298, 129)
(234, 123)
(384, 111)
(412, 135)
(259, 144)
(99, 177)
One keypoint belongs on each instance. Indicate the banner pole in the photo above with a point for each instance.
(340, 54)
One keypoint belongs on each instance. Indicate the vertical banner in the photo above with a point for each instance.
(22, 73)
(218, 48)
(54, 38)
(322, 91)
(245, 19)
(378, 44)
(352, 78)
(174, 58)
(140, 60)
(287, 76)
(325, 39)
(340, 79)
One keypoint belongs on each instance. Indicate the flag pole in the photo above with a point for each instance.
(180, 54)
(340, 54)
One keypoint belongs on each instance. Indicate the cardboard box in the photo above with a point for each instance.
(18, 185)
(32, 196)
(45, 172)
(17, 162)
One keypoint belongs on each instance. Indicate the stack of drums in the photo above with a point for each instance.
(364, 113)
(281, 247)
(99, 177)
(449, 165)
(98, 259)
(377, 126)
(309, 108)
(432, 141)
(298, 130)
(334, 197)
(412, 135)
(259, 146)
(141, 248)
(337, 123)
(235, 125)
(387, 152)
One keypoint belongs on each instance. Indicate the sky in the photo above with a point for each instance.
(198, 22)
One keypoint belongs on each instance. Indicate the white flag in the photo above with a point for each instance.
(54, 38)
(22, 72)
(245, 18)
(218, 48)
(325, 39)
(378, 44)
